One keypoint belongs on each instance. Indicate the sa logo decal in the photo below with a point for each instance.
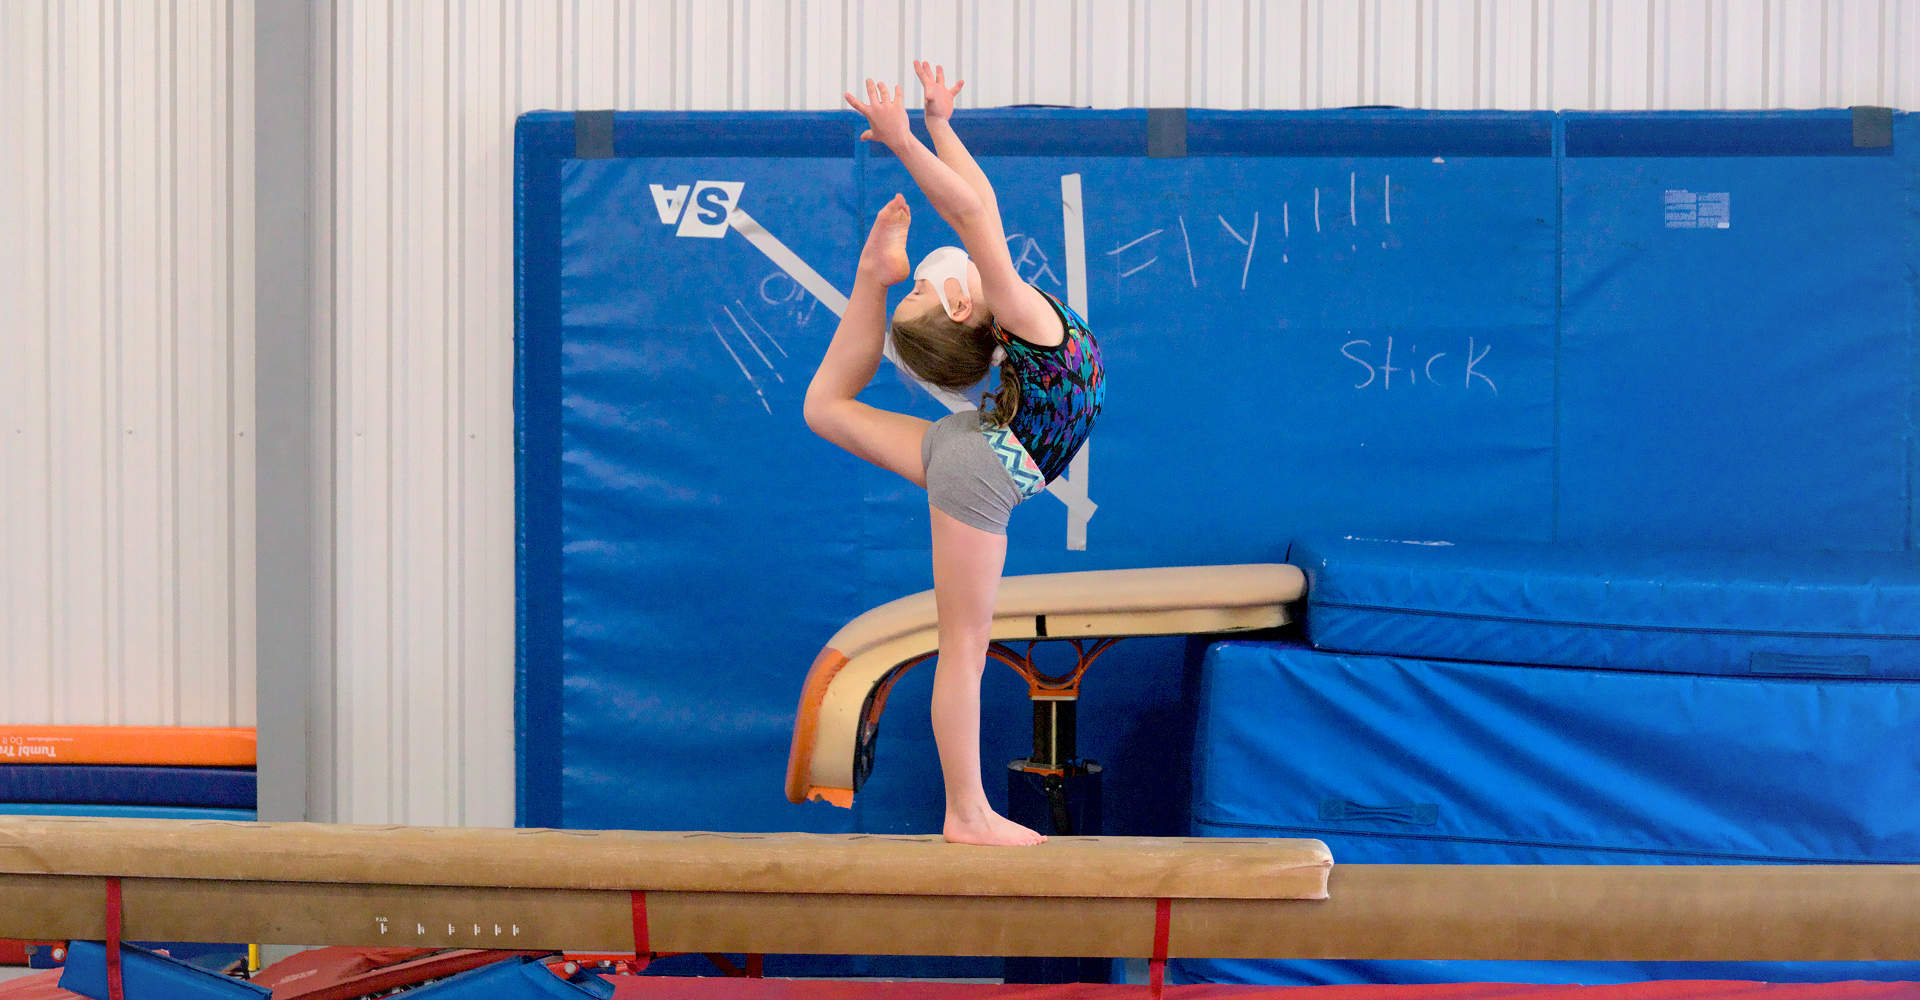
(706, 217)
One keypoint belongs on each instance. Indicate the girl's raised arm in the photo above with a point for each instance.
(952, 197)
(967, 204)
(946, 144)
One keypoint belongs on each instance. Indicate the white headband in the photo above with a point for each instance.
(937, 267)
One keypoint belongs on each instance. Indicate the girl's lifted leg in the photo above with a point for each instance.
(966, 574)
(888, 440)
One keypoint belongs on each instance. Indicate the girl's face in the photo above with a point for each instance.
(919, 302)
(923, 300)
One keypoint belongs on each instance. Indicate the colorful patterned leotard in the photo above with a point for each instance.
(1061, 389)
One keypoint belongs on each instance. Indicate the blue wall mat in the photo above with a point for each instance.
(120, 812)
(166, 786)
(688, 545)
(1339, 323)
(1403, 761)
(1738, 333)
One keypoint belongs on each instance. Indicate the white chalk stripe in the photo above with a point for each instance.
(788, 261)
(1123, 246)
(743, 368)
(764, 332)
(1072, 488)
(749, 339)
(1076, 233)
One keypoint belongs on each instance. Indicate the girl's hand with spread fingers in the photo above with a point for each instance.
(886, 116)
(933, 79)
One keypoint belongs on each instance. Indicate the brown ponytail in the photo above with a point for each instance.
(998, 406)
(955, 357)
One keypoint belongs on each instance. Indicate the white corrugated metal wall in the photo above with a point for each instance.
(126, 276)
(126, 366)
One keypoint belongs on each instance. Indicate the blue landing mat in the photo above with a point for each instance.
(149, 976)
(201, 787)
(121, 812)
(1682, 610)
(1402, 761)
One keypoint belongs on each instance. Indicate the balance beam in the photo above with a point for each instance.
(846, 688)
(193, 880)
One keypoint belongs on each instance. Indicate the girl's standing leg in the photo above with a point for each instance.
(966, 574)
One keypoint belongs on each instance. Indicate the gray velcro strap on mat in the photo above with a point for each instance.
(1872, 127)
(1166, 132)
(592, 135)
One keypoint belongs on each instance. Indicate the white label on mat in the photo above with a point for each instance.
(1699, 209)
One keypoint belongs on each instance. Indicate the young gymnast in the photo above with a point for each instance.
(968, 312)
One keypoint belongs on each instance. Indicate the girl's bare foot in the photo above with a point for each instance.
(985, 827)
(885, 255)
